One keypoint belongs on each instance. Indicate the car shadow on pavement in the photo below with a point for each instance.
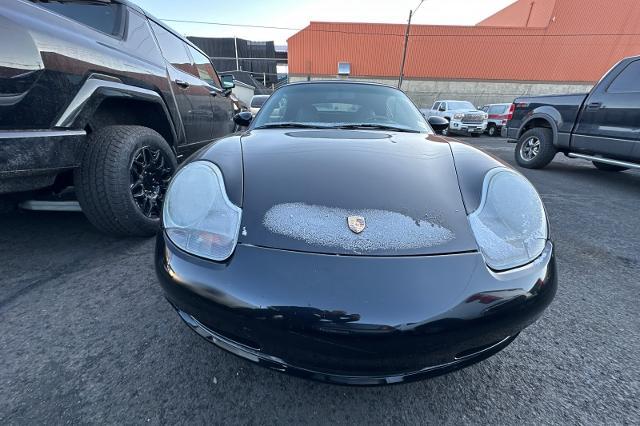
(627, 180)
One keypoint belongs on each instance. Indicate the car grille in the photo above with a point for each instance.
(473, 118)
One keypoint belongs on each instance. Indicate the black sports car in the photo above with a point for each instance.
(340, 239)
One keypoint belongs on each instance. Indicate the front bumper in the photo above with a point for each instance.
(354, 319)
(467, 128)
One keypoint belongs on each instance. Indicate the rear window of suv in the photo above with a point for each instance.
(258, 100)
(102, 16)
(498, 109)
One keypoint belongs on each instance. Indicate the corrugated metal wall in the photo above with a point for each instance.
(581, 43)
(221, 49)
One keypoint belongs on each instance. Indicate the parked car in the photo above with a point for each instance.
(601, 126)
(341, 240)
(498, 114)
(105, 97)
(256, 103)
(463, 117)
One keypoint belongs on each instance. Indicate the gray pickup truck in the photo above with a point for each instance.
(602, 126)
(463, 117)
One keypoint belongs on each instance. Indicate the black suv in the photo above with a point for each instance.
(102, 96)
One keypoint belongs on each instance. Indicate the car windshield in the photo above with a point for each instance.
(341, 105)
(258, 101)
(460, 105)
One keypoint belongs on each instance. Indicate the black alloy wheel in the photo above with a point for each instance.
(123, 179)
(150, 176)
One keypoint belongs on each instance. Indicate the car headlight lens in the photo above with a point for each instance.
(198, 216)
(510, 225)
(458, 116)
(486, 115)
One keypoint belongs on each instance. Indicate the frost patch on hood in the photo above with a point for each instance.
(327, 226)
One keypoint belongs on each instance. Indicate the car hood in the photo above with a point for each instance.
(466, 111)
(301, 186)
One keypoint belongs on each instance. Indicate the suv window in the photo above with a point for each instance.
(204, 68)
(173, 49)
(258, 100)
(105, 17)
(628, 80)
(498, 109)
(436, 106)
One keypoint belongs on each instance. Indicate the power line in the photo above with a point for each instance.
(252, 59)
(231, 25)
(400, 34)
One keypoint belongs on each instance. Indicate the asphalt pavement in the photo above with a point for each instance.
(87, 337)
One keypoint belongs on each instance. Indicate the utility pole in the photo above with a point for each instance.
(406, 42)
(235, 43)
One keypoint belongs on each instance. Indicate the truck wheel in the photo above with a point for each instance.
(122, 179)
(609, 167)
(491, 130)
(535, 149)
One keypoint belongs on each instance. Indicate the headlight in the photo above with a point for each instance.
(458, 116)
(510, 225)
(198, 216)
(486, 116)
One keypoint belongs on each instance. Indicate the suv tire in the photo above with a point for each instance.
(535, 149)
(492, 130)
(609, 167)
(121, 182)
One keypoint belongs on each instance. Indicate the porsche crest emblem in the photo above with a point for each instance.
(356, 223)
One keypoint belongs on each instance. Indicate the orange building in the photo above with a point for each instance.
(530, 47)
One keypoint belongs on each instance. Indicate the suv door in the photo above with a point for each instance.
(222, 106)
(609, 122)
(192, 94)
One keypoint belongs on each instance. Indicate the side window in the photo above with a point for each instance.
(204, 68)
(443, 106)
(105, 17)
(628, 80)
(495, 109)
(436, 106)
(173, 49)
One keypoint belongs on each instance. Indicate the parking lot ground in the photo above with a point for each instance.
(86, 336)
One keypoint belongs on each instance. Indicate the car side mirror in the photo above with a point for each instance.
(438, 124)
(227, 81)
(243, 118)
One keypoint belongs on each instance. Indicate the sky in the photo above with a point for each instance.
(298, 13)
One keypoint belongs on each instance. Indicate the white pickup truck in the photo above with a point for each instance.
(463, 117)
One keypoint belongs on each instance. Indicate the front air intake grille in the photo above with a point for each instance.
(473, 118)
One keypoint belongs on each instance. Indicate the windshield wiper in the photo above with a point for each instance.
(291, 124)
(375, 126)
